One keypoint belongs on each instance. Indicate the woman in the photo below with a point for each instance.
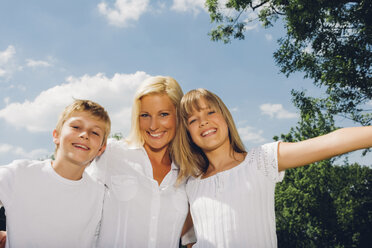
(142, 206)
(232, 192)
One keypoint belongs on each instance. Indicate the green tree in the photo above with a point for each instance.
(329, 41)
(322, 205)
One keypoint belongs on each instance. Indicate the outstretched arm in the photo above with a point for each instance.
(291, 155)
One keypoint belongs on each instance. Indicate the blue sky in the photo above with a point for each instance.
(52, 51)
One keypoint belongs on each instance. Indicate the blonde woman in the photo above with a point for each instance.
(143, 207)
(231, 193)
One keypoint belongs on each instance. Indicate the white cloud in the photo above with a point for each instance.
(277, 111)
(37, 63)
(123, 11)
(19, 151)
(6, 100)
(188, 5)
(236, 109)
(7, 54)
(250, 134)
(2, 72)
(41, 114)
(268, 37)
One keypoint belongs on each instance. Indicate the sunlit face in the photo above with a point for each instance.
(208, 128)
(80, 139)
(157, 121)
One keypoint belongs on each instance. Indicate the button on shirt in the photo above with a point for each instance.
(137, 212)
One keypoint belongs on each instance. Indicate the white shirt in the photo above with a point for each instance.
(44, 209)
(235, 208)
(137, 211)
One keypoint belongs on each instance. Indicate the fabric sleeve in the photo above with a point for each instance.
(98, 168)
(266, 159)
(7, 181)
(189, 237)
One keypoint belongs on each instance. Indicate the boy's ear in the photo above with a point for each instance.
(102, 149)
(55, 137)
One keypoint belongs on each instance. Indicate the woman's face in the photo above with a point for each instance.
(157, 121)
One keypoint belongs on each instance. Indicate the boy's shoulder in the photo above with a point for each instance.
(26, 163)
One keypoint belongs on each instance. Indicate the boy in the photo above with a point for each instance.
(55, 203)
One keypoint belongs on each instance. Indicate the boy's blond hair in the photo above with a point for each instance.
(87, 106)
(192, 160)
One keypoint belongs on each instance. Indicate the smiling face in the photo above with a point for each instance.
(80, 139)
(157, 121)
(208, 128)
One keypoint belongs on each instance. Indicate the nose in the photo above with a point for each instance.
(83, 135)
(154, 124)
(203, 122)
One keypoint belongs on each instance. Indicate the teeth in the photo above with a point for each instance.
(208, 132)
(81, 146)
(155, 134)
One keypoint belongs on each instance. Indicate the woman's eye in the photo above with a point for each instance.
(144, 115)
(75, 127)
(95, 133)
(164, 114)
(211, 112)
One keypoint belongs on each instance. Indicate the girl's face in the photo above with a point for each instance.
(157, 121)
(208, 128)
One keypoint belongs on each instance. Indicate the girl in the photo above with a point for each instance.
(231, 193)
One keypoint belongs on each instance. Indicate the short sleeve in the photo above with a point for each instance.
(7, 181)
(265, 158)
(98, 168)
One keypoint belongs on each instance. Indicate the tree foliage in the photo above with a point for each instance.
(322, 205)
(329, 41)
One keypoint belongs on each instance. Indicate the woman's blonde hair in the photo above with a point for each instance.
(191, 158)
(153, 85)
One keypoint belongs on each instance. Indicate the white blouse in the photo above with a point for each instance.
(137, 212)
(235, 208)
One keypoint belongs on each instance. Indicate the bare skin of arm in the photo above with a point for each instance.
(186, 227)
(2, 239)
(292, 155)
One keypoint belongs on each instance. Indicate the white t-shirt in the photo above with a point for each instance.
(235, 208)
(137, 212)
(44, 209)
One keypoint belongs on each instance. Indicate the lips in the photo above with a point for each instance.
(81, 146)
(208, 132)
(156, 135)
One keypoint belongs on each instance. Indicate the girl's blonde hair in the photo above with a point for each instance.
(153, 85)
(191, 158)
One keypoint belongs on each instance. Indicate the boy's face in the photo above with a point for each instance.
(80, 139)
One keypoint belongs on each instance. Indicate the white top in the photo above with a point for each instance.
(44, 209)
(137, 211)
(235, 208)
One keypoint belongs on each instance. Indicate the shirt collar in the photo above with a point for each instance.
(173, 165)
